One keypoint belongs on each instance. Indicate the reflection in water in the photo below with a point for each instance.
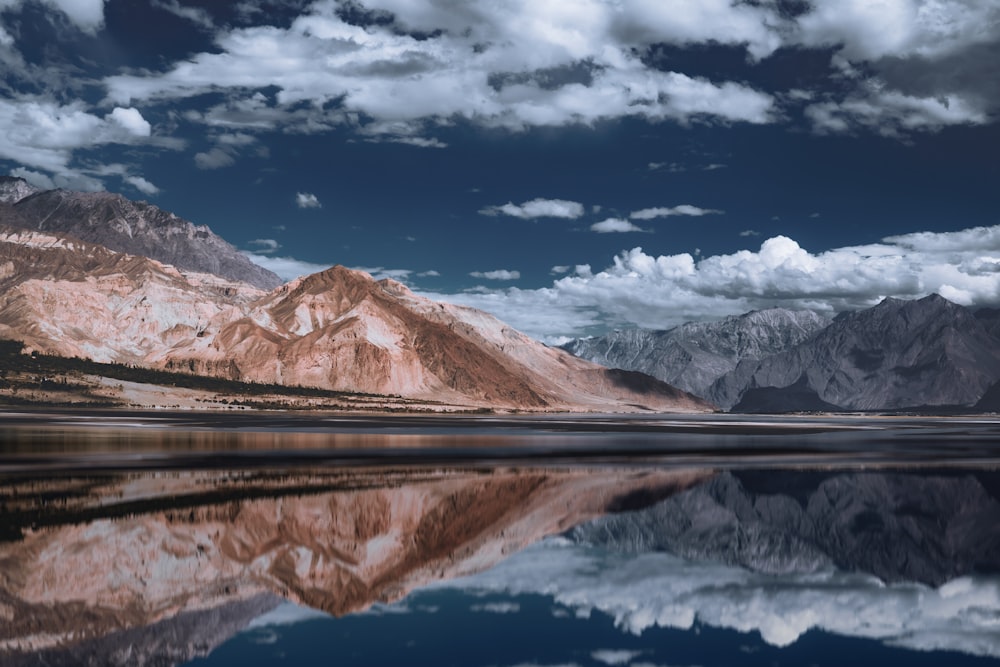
(77, 566)
(493, 563)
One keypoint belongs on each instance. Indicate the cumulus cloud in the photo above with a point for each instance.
(43, 134)
(538, 208)
(663, 212)
(131, 120)
(660, 590)
(499, 274)
(749, 232)
(639, 289)
(307, 200)
(497, 607)
(891, 113)
(614, 656)
(615, 225)
(36, 178)
(286, 268)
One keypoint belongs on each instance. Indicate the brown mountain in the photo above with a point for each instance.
(136, 228)
(141, 549)
(338, 329)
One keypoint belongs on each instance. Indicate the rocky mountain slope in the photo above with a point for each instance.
(694, 355)
(338, 329)
(898, 527)
(136, 228)
(898, 354)
(145, 549)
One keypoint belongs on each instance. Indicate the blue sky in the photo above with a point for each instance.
(569, 166)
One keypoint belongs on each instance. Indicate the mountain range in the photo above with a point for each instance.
(338, 329)
(97, 276)
(927, 353)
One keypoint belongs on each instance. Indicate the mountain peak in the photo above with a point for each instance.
(139, 228)
(14, 188)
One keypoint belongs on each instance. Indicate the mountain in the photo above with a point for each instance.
(338, 329)
(898, 354)
(140, 550)
(135, 228)
(898, 527)
(694, 355)
(13, 190)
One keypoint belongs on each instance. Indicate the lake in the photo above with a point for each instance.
(163, 538)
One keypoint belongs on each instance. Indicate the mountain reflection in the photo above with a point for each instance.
(87, 562)
(157, 568)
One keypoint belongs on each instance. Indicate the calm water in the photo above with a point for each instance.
(283, 539)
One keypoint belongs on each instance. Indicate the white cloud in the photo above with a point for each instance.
(198, 16)
(43, 134)
(559, 270)
(659, 590)
(131, 120)
(615, 225)
(216, 158)
(499, 274)
(36, 178)
(749, 232)
(663, 212)
(538, 208)
(497, 607)
(380, 272)
(286, 268)
(643, 290)
(892, 113)
(394, 78)
(615, 656)
(266, 246)
(142, 185)
(307, 200)
(429, 274)
(87, 15)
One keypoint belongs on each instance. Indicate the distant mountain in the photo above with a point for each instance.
(338, 329)
(136, 228)
(898, 354)
(694, 355)
(898, 527)
(13, 190)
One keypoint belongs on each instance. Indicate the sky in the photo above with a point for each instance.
(570, 166)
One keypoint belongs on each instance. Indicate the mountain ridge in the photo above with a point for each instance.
(134, 228)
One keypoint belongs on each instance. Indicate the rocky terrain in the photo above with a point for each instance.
(898, 527)
(898, 354)
(694, 355)
(123, 555)
(338, 330)
(125, 226)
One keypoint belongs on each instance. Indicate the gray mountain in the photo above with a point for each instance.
(172, 641)
(13, 189)
(136, 228)
(694, 355)
(898, 354)
(895, 526)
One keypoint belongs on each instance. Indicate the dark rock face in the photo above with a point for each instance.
(895, 526)
(138, 228)
(899, 354)
(694, 355)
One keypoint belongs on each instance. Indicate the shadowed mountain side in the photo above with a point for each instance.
(798, 397)
(898, 354)
(694, 355)
(137, 228)
(339, 551)
(898, 527)
(338, 330)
